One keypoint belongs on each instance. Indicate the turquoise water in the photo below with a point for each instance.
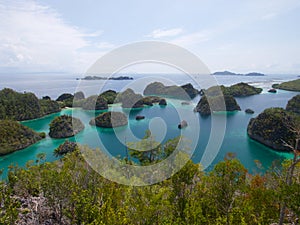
(235, 140)
(158, 118)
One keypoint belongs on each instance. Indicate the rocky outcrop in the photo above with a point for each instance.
(163, 102)
(216, 103)
(249, 111)
(272, 90)
(293, 104)
(65, 126)
(110, 120)
(182, 124)
(65, 148)
(272, 128)
(139, 117)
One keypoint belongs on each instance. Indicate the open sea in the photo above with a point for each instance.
(235, 137)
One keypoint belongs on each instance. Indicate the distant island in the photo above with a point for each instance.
(106, 78)
(237, 74)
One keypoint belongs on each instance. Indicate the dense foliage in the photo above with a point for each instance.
(71, 192)
(95, 102)
(273, 128)
(186, 91)
(293, 85)
(242, 90)
(216, 103)
(19, 106)
(293, 104)
(15, 136)
(65, 126)
(25, 106)
(109, 96)
(48, 106)
(236, 90)
(130, 99)
(110, 119)
(65, 148)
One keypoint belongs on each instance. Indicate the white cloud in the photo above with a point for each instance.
(193, 38)
(161, 33)
(34, 37)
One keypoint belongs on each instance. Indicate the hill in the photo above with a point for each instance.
(293, 85)
(15, 136)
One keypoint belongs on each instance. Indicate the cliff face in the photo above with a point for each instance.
(15, 136)
(216, 103)
(272, 127)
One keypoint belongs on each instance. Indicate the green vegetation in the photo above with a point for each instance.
(18, 106)
(236, 90)
(65, 126)
(95, 102)
(15, 136)
(186, 91)
(65, 148)
(109, 96)
(69, 191)
(48, 106)
(293, 104)
(242, 90)
(216, 103)
(273, 128)
(110, 120)
(293, 85)
(130, 99)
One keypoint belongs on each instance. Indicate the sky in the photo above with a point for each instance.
(69, 36)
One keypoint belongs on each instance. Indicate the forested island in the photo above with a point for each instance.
(293, 85)
(15, 136)
(237, 74)
(107, 78)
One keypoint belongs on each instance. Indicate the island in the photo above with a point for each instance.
(65, 148)
(95, 102)
(236, 90)
(24, 106)
(293, 104)
(255, 74)
(272, 128)
(15, 136)
(293, 85)
(226, 73)
(106, 78)
(65, 126)
(129, 99)
(186, 91)
(110, 120)
(216, 104)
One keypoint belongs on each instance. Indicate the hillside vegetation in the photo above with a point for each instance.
(293, 85)
(15, 136)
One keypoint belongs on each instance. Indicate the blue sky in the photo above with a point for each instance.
(65, 35)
